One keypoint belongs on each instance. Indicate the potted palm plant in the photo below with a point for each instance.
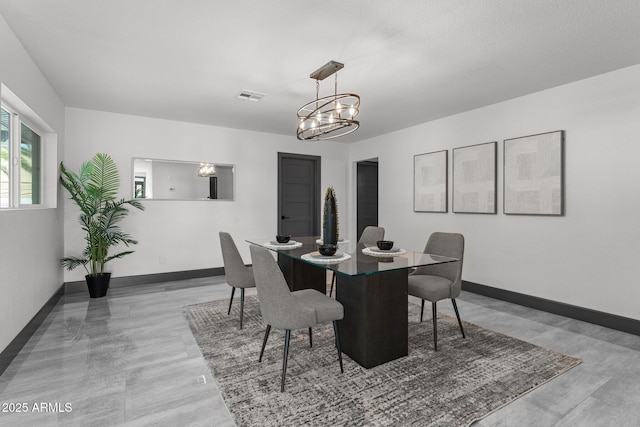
(94, 189)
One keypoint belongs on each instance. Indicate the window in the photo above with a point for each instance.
(28, 156)
(4, 158)
(20, 183)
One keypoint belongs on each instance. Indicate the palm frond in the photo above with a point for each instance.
(71, 263)
(104, 179)
(74, 185)
(118, 255)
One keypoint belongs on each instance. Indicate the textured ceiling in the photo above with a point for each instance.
(410, 61)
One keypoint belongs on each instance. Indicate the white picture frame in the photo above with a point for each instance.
(474, 178)
(534, 174)
(430, 182)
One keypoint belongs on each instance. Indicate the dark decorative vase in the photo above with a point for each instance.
(330, 218)
(327, 250)
(98, 285)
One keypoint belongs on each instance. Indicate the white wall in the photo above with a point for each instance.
(589, 257)
(30, 241)
(178, 181)
(183, 235)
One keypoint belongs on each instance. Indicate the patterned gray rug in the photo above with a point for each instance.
(465, 380)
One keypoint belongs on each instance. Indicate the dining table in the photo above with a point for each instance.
(371, 284)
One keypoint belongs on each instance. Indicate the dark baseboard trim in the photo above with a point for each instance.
(612, 321)
(14, 347)
(145, 279)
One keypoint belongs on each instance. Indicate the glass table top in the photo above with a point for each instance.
(358, 263)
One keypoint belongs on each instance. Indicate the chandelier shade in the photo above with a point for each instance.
(330, 116)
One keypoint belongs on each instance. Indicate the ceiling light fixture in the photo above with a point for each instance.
(330, 116)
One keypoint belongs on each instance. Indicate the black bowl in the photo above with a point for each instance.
(327, 250)
(283, 238)
(385, 245)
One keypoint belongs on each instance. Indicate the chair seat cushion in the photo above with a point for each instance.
(430, 288)
(327, 309)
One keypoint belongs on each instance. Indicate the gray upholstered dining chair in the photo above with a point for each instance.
(283, 309)
(437, 282)
(369, 237)
(238, 275)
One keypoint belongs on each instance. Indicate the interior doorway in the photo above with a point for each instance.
(298, 194)
(366, 194)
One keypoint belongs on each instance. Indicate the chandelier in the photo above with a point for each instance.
(330, 116)
(206, 170)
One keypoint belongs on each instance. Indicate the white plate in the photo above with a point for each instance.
(341, 241)
(316, 255)
(276, 243)
(384, 251)
(377, 252)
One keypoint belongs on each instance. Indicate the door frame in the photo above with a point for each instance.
(316, 188)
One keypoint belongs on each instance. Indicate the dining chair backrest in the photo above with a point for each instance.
(237, 273)
(279, 308)
(370, 235)
(449, 245)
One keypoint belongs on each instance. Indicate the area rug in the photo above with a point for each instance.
(464, 381)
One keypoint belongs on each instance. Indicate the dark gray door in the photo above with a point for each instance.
(298, 194)
(367, 195)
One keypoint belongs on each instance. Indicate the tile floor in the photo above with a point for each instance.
(130, 359)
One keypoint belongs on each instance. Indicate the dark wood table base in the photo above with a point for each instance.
(302, 275)
(375, 325)
(374, 328)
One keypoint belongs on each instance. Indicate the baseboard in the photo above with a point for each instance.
(145, 279)
(601, 318)
(14, 347)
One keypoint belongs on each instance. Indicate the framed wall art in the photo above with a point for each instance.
(474, 178)
(534, 174)
(430, 175)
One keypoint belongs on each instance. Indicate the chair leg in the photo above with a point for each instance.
(310, 338)
(287, 336)
(421, 311)
(264, 341)
(241, 306)
(435, 326)
(335, 331)
(233, 291)
(455, 307)
(333, 280)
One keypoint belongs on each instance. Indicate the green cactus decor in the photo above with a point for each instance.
(330, 228)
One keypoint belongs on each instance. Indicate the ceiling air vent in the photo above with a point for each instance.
(249, 95)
